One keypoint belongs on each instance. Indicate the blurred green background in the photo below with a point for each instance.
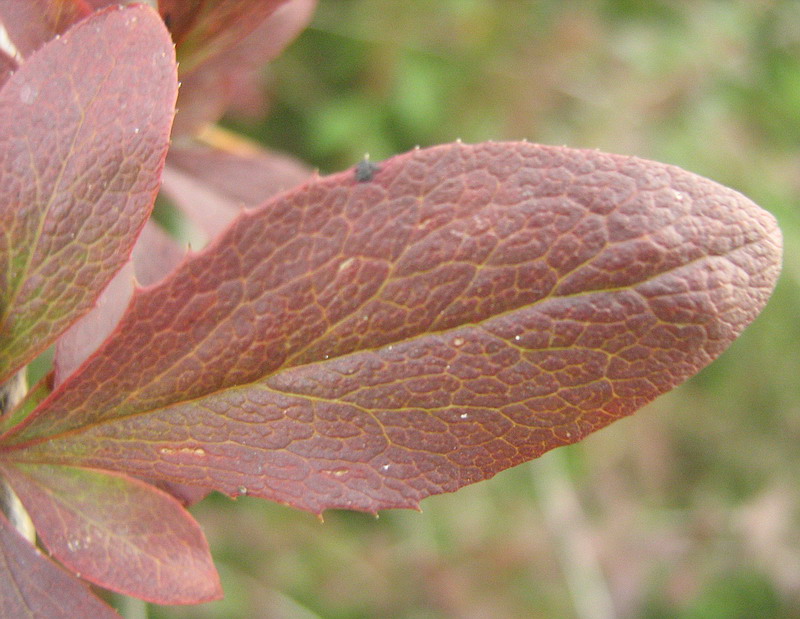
(689, 509)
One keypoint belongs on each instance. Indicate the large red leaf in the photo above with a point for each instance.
(101, 526)
(367, 343)
(32, 586)
(84, 127)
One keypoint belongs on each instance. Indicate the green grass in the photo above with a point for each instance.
(690, 508)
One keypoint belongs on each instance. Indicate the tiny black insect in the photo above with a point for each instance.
(365, 170)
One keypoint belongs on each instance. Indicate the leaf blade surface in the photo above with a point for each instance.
(100, 525)
(365, 345)
(33, 586)
(81, 158)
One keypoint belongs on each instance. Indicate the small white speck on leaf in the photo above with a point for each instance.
(346, 264)
(195, 451)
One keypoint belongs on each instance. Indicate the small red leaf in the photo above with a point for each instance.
(155, 254)
(212, 185)
(7, 66)
(84, 126)
(186, 495)
(118, 532)
(233, 76)
(33, 586)
(366, 345)
(85, 335)
(33, 23)
(204, 28)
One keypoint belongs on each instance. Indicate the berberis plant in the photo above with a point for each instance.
(360, 341)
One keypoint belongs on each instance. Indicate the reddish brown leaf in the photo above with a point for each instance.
(33, 23)
(118, 532)
(248, 91)
(32, 586)
(204, 28)
(206, 209)
(7, 66)
(85, 335)
(179, 15)
(155, 254)
(233, 77)
(212, 185)
(367, 344)
(96, 5)
(84, 125)
(186, 495)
